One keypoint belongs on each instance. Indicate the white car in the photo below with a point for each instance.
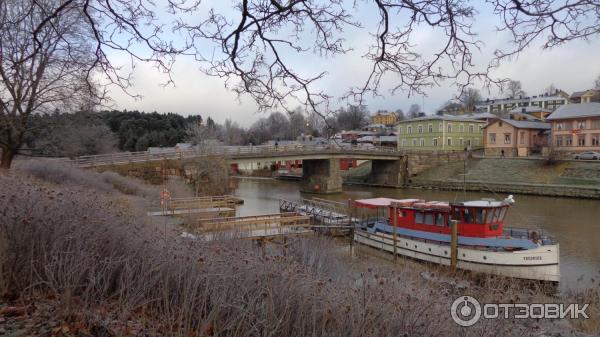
(588, 156)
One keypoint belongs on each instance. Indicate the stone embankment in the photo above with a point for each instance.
(519, 176)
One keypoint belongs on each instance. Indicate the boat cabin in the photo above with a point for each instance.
(482, 218)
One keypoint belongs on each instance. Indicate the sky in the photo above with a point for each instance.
(571, 67)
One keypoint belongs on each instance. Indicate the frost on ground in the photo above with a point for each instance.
(77, 259)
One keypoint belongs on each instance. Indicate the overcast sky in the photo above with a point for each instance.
(571, 67)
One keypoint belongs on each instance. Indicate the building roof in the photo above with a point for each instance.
(375, 126)
(527, 124)
(576, 110)
(579, 94)
(450, 118)
(482, 115)
(381, 202)
(529, 109)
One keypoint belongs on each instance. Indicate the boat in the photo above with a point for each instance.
(422, 230)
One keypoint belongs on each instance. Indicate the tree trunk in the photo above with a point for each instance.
(7, 158)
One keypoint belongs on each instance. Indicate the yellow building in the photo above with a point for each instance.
(385, 118)
(587, 96)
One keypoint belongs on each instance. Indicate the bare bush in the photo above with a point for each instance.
(63, 174)
(78, 246)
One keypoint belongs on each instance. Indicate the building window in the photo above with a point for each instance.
(469, 142)
(449, 141)
(409, 130)
(461, 128)
(422, 142)
(596, 124)
(430, 128)
(581, 124)
(595, 139)
(492, 138)
(581, 140)
(507, 138)
(449, 127)
(568, 140)
(434, 142)
(471, 128)
(414, 142)
(399, 129)
(461, 141)
(404, 143)
(420, 128)
(441, 127)
(569, 125)
(522, 137)
(559, 141)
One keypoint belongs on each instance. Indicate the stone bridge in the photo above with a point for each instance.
(321, 169)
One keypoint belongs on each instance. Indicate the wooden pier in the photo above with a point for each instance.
(203, 207)
(254, 226)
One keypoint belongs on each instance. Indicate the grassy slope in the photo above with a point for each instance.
(518, 171)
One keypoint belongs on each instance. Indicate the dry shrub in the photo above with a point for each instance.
(128, 185)
(62, 174)
(211, 177)
(85, 251)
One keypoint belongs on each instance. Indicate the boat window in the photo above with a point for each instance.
(429, 218)
(490, 214)
(419, 217)
(468, 215)
(480, 215)
(502, 214)
(496, 215)
(456, 215)
(439, 219)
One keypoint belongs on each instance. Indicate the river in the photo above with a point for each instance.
(574, 223)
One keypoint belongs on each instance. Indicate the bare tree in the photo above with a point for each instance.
(353, 117)
(414, 111)
(51, 50)
(513, 89)
(45, 41)
(202, 136)
(551, 89)
(298, 124)
(469, 98)
(233, 134)
(400, 114)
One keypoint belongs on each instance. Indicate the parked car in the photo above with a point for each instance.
(588, 156)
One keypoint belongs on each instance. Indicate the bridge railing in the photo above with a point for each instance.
(227, 151)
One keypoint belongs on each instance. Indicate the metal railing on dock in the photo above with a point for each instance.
(326, 216)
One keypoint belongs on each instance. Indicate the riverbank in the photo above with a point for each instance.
(513, 175)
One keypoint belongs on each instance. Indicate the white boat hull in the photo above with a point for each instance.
(540, 263)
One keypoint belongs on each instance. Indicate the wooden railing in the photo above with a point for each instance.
(253, 222)
(201, 202)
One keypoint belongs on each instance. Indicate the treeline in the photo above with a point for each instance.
(89, 133)
(136, 131)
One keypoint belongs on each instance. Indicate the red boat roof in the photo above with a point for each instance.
(382, 202)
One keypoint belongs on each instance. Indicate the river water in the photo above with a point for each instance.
(574, 223)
